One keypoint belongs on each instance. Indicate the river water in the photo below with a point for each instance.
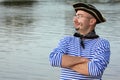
(29, 32)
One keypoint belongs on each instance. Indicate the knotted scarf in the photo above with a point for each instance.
(90, 35)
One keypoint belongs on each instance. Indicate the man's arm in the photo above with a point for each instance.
(96, 66)
(70, 61)
(81, 68)
(78, 64)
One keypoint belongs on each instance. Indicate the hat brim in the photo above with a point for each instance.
(91, 10)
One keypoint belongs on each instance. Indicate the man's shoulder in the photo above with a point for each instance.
(103, 41)
(68, 38)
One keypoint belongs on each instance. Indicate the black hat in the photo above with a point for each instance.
(91, 10)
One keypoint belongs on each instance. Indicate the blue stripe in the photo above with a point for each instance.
(97, 50)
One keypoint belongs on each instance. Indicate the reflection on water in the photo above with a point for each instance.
(29, 32)
(17, 20)
(18, 2)
(17, 13)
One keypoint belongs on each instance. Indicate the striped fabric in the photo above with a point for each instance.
(97, 50)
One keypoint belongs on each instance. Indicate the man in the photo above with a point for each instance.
(85, 55)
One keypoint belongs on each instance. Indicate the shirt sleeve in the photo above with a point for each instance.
(101, 58)
(55, 56)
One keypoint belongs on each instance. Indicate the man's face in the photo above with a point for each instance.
(82, 20)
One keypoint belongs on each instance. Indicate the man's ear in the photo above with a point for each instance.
(92, 21)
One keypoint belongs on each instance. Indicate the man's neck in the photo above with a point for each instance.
(85, 32)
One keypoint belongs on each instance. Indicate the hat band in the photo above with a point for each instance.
(90, 11)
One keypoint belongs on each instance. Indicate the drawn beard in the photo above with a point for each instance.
(76, 29)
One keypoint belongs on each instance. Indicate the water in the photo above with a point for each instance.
(29, 32)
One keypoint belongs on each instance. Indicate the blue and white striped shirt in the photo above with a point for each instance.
(97, 50)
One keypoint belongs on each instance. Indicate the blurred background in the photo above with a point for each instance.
(30, 29)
